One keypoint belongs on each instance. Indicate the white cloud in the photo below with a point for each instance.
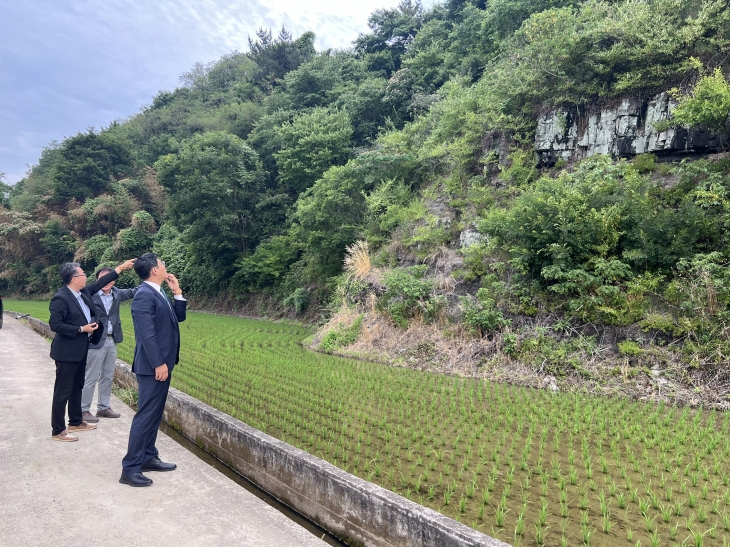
(69, 64)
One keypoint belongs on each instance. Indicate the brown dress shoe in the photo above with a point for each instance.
(106, 413)
(65, 436)
(89, 417)
(83, 426)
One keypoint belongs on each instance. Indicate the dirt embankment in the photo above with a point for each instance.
(586, 358)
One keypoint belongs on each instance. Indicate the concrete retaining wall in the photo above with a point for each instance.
(41, 327)
(336, 500)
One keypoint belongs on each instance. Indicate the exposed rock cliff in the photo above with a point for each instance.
(621, 131)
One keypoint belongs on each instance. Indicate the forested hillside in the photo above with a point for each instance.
(411, 156)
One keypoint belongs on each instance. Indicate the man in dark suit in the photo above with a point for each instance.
(157, 351)
(73, 321)
(102, 358)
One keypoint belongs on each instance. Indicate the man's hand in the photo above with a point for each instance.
(91, 327)
(125, 265)
(174, 284)
(161, 373)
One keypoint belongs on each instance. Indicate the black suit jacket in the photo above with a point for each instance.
(118, 295)
(156, 330)
(66, 318)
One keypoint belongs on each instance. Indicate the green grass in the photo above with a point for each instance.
(519, 464)
(38, 309)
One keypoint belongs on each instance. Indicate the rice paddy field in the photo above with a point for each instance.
(528, 467)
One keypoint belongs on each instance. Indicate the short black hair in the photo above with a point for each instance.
(144, 264)
(68, 271)
(103, 271)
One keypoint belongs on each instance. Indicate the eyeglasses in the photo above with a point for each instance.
(161, 262)
(80, 275)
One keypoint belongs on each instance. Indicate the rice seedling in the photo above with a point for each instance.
(607, 524)
(649, 523)
(500, 514)
(543, 512)
(584, 519)
(666, 512)
(698, 538)
(587, 533)
(520, 526)
(540, 534)
(643, 507)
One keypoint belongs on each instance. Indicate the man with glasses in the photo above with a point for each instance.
(157, 351)
(73, 321)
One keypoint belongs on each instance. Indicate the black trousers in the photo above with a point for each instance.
(67, 389)
(143, 433)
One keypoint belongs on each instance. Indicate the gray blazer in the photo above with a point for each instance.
(119, 295)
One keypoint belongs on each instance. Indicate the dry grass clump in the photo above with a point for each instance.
(444, 282)
(357, 260)
(357, 263)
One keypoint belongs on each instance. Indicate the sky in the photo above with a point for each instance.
(66, 65)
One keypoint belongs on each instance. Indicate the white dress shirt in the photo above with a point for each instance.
(107, 300)
(159, 289)
(84, 307)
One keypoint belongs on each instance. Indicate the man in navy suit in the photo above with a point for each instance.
(74, 322)
(157, 351)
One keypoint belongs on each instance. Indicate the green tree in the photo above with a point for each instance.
(268, 265)
(274, 57)
(214, 183)
(329, 217)
(340, 80)
(137, 239)
(265, 139)
(391, 32)
(87, 163)
(310, 145)
(57, 241)
(91, 252)
(316, 82)
(708, 104)
(104, 214)
(5, 190)
(36, 187)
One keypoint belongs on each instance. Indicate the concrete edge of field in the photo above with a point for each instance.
(336, 500)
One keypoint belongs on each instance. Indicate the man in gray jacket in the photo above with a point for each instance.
(102, 357)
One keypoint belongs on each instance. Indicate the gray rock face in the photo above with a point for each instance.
(623, 130)
(470, 236)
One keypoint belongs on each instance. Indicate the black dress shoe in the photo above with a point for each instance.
(135, 479)
(156, 465)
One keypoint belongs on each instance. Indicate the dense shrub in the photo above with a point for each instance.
(602, 237)
(482, 316)
(408, 294)
(602, 214)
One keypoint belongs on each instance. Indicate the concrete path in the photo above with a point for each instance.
(56, 494)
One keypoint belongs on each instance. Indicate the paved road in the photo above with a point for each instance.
(56, 494)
